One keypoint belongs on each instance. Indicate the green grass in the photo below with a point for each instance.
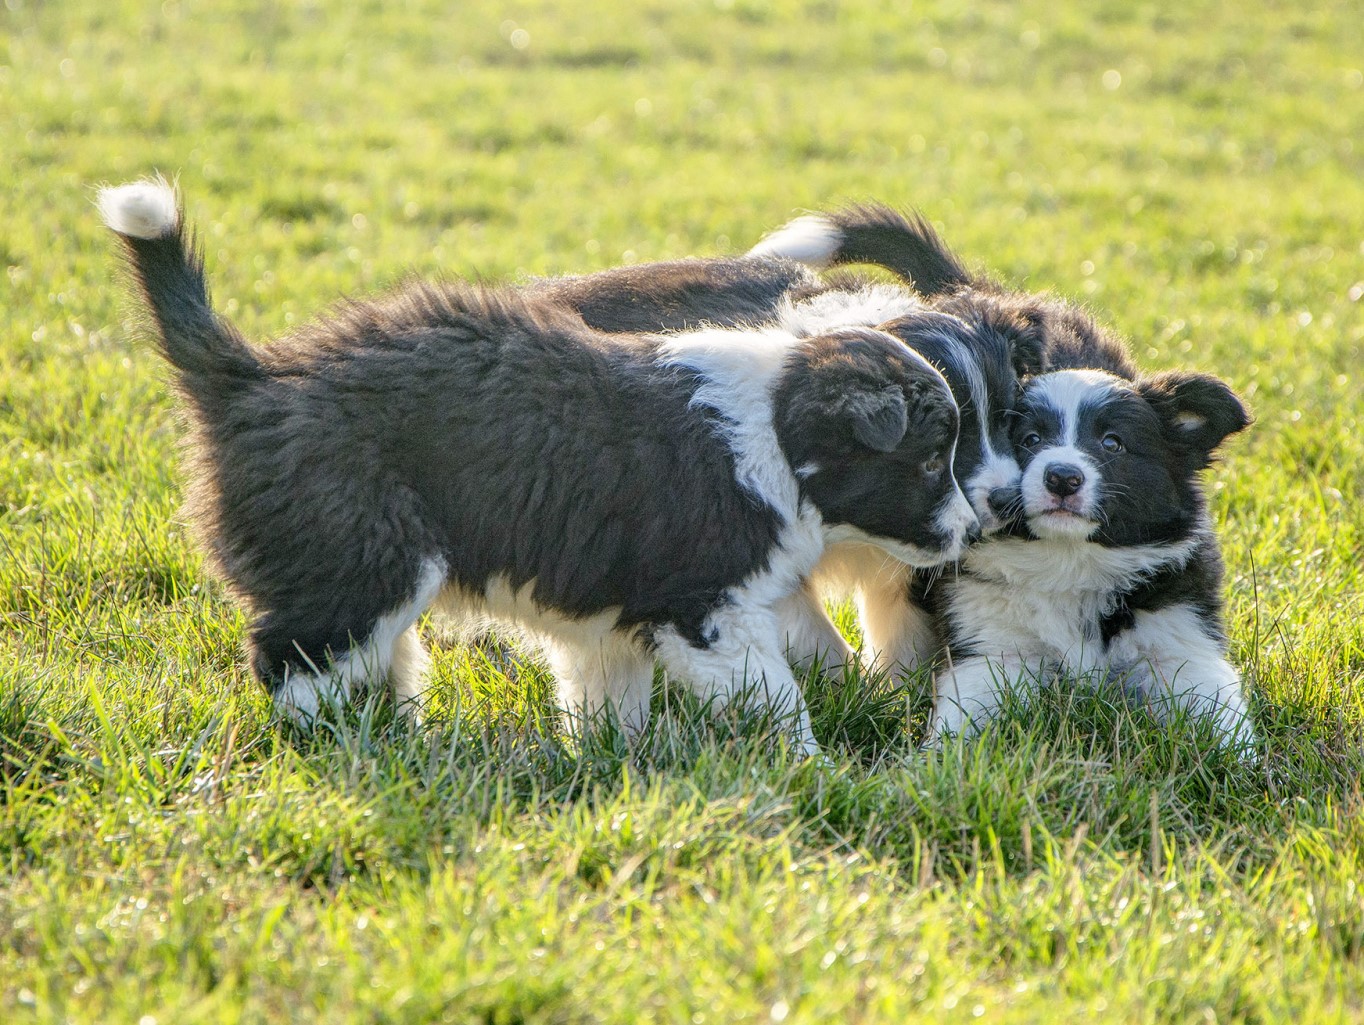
(1192, 171)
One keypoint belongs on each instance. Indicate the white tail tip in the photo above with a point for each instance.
(145, 209)
(811, 240)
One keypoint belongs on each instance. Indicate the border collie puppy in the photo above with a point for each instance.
(983, 349)
(1121, 575)
(615, 498)
(1014, 335)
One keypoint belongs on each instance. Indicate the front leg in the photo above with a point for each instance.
(1178, 665)
(743, 654)
(898, 636)
(970, 691)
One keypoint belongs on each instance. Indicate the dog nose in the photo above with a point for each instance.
(1062, 479)
(1002, 500)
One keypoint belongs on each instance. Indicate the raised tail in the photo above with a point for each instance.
(206, 350)
(905, 245)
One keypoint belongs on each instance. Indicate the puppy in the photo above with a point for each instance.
(983, 347)
(616, 499)
(1013, 335)
(1120, 575)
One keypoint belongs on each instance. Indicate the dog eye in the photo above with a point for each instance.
(1112, 443)
(1030, 439)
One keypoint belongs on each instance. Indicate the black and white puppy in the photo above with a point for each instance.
(614, 498)
(983, 347)
(1121, 575)
(1013, 334)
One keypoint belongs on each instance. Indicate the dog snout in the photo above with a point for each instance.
(1063, 479)
(1003, 501)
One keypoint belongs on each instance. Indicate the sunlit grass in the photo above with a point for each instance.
(1192, 172)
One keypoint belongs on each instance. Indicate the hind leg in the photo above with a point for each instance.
(314, 675)
(408, 673)
(607, 675)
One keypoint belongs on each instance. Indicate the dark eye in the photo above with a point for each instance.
(1030, 439)
(934, 464)
(1112, 443)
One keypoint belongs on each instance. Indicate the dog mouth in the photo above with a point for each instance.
(1060, 520)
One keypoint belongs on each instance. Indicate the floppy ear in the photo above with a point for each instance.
(1198, 410)
(1026, 332)
(878, 418)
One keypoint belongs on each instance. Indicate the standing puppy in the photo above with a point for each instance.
(983, 345)
(614, 498)
(1120, 576)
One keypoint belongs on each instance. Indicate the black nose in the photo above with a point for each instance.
(1062, 479)
(973, 535)
(1003, 501)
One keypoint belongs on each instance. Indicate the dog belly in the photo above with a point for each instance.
(598, 668)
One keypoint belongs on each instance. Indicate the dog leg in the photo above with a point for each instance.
(970, 692)
(612, 676)
(385, 653)
(1187, 669)
(745, 656)
(899, 634)
(408, 674)
(811, 637)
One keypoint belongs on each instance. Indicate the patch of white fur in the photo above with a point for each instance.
(1057, 568)
(1189, 421)
(863, 307)
(812, 240)
(392, 651)
(739, 370)
(1065, 391)
(144, 209)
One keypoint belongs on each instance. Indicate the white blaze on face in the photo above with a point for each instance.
(1075, 516)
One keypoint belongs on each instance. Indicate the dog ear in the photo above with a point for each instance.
(1026, 341)
(878, 418)
(1198, 410)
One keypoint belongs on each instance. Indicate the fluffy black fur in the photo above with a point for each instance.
(496, 433)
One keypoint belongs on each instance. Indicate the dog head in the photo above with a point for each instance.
(983, 360)
(870, 428)
(1114, 461)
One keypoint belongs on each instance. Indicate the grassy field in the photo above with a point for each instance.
(168, 854)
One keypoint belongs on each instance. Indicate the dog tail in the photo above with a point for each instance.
(169, 272)
(904, 244)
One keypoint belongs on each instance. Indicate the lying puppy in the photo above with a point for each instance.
(1121, 574)
(615, 498)
(1013, 335)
